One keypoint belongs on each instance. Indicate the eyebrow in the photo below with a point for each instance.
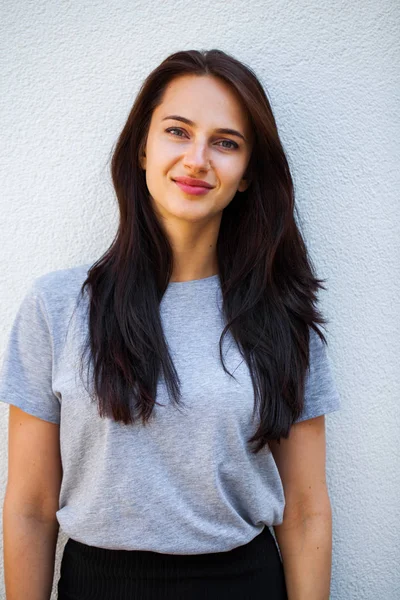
(220, 130)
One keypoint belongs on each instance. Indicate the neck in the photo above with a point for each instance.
(194, 250)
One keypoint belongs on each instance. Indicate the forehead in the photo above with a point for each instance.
(206, 100)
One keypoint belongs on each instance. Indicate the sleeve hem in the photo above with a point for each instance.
(31, 410)
(324, 411)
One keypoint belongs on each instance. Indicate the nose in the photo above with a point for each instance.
(196, 157)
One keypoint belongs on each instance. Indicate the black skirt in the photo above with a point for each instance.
(251, 571)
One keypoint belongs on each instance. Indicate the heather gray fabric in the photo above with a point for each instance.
(186, 482)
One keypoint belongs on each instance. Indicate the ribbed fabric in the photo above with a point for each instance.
(247, 572)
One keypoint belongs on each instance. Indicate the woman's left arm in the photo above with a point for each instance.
(305, 535)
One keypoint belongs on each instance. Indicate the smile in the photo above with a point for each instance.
(192, 190)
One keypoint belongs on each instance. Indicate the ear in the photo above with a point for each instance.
(142, 161)
(243, 184)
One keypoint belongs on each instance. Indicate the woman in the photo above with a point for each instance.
(200, 424)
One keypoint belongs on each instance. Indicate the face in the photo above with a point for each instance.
(184, 141)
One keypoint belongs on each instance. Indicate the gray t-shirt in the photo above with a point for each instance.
(186, 483)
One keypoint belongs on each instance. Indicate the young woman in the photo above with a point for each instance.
(199, 426)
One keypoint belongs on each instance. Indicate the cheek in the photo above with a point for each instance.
(162, 158)
(231, 172)
(229, 165)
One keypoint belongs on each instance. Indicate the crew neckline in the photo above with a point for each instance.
(210, 279)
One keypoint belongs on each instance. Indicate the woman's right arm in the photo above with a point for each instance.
(30, 527)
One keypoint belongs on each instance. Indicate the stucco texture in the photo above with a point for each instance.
(70, 72)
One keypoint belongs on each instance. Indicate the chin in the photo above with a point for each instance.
(190, 209)
(192, 216)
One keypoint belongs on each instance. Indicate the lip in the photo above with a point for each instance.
(193, 190)
(193, 182)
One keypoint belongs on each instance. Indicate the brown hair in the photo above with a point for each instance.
(268, 284)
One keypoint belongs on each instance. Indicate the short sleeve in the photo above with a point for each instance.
(320, 393)
(26, 372)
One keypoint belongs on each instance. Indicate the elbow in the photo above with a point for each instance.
(304, 509)
(16, 506)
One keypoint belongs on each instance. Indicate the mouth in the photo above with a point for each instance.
(192, 190)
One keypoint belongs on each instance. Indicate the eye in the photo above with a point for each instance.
(171, 129)
(233, 145)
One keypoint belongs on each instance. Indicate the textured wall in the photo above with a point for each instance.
(70, 72)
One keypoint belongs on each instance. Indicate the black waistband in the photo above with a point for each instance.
(258, 548)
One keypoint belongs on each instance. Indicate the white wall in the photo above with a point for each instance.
(70, 72)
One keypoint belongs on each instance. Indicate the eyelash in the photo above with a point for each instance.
(235, 145)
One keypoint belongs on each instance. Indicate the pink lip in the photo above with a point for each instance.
(191, 181)
(193, 190)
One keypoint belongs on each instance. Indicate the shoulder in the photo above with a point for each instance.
(53, 298)
(59, 288)
(319, 357)
(63, 281)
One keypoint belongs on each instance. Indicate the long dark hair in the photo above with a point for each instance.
(267, 279)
